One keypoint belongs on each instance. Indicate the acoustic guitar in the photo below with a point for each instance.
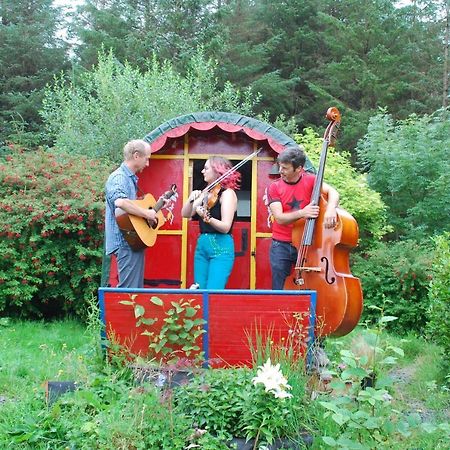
(137, 231)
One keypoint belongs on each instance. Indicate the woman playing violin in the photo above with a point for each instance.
(216, 210)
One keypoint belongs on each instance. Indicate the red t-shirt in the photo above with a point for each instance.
(292, 198)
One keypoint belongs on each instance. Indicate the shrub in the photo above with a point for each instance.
(52, 232)
(236, 403)
(396, 275)
(215, 400)
(438, 326)
(92, 116)
(408, 165)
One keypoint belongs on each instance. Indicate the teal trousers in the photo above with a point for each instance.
(213, 260)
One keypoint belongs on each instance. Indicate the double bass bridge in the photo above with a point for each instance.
(308, 269)
(299, 280)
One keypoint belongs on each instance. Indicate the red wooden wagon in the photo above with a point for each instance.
(180, 148)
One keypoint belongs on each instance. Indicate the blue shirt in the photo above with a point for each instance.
(122, 183)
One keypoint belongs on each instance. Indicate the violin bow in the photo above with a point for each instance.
(231, 170)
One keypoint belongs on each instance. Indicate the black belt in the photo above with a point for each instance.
(283, 242)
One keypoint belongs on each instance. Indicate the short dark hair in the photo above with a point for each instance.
(294, 156)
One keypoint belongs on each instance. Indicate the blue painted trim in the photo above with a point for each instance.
(206, 328)
(312, 325)
(101, 305)
(207, 291)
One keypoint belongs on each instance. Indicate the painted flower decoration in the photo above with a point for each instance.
(273, 380)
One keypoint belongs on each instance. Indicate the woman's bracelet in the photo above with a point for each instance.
(207, 219)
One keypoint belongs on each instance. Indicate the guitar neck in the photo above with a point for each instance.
(158, 205)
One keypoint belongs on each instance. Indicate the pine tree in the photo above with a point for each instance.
(30, 55)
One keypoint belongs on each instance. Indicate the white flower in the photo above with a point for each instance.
(272, 379)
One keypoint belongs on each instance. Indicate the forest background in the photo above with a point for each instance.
(76, 84)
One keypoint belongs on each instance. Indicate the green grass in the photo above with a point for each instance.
(110, 412)
(33, 352)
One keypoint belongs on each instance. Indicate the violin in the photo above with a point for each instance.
(211, 197)
(323, 256)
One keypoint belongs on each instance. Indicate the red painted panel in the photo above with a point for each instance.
(240, 275)
(264, 180)
(267, 150)
(231, 318)
(120, 323)
(217, 141)
(163, 263)
(193, 233)
(235, 318)
(263, 272)
(173, 146)
(113, 279)
(157, 179)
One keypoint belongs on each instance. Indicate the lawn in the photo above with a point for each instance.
(111, 411)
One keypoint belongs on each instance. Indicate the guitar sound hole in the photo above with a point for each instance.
(153, 224)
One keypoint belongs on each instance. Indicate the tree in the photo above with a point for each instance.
(30, 55)
(408, 164)
(268, 46)
(116, 101)
(445, 90)
(136, 29)
(377, 55)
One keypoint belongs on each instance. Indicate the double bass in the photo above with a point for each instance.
(323, 256)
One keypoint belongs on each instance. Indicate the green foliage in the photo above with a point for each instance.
(51, 246)
(109, 411)
(261, 408)
(116, 102)
(215, 400)
(364, 417)
(228, 404)
(361, 407)
(438, 326)
(30, 55)
(133, 29)
(178, 335)
(396, 275)
(408, 165)
(356, 196)
(266, 415)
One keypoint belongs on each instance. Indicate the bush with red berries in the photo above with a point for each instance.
(51, 245)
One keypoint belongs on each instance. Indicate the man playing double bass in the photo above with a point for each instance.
(289, 200)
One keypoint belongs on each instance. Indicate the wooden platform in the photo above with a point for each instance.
(232, 316)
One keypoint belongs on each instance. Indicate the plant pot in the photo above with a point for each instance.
(162, 377)
(279, 443)
(369, 381)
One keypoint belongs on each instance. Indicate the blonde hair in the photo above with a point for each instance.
(136, 145)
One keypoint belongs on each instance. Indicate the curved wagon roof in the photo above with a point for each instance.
(229, 122)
